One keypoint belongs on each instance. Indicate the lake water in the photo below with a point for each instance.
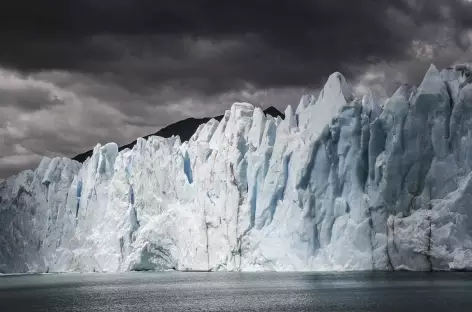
(174, 291)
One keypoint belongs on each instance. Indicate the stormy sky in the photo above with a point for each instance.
(74, 73)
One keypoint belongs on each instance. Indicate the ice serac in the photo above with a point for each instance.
(341, 183)
(34, 217)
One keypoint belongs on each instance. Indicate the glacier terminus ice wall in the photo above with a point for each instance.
(342, 183)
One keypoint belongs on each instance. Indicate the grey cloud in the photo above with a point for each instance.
(385, 77)
(30, 99)
(11, 166)
(24, 93)
(86, 116)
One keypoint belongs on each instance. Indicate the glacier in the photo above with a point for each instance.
(341, 183)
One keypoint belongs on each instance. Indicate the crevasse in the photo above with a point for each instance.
(340, 184)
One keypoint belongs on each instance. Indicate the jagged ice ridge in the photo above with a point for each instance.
(340, 184)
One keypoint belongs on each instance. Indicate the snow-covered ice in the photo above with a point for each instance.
(342, 183)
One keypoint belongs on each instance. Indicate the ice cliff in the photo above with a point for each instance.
(341, 183)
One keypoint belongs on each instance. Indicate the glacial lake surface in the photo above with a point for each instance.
(178, 291)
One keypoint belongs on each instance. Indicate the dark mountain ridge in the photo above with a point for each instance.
(184, 129)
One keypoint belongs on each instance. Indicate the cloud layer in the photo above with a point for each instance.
(77, 73)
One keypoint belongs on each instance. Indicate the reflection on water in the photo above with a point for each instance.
(175, 291)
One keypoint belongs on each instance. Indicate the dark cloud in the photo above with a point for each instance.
(214, 46)
(272, 19)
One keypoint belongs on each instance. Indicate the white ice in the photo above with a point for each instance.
(340, 184)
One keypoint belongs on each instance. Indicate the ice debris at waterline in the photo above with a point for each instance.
(339, 184)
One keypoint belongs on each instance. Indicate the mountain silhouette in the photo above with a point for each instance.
(184, 129)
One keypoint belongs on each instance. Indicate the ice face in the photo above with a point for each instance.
(339, 184)
(34, 217)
